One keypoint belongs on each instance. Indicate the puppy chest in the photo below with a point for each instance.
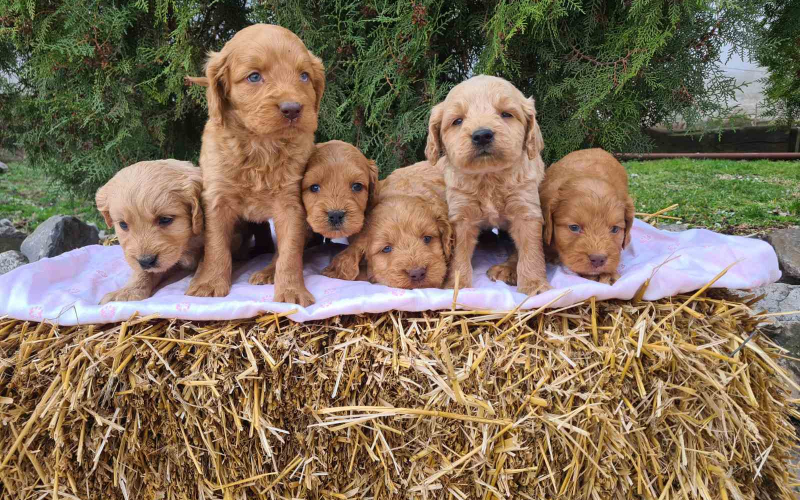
(492, 211)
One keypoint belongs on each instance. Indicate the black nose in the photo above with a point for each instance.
(482, 137)
(417, 274)
(291, 110)
(598, 260)
(336, 217)
(148, 261)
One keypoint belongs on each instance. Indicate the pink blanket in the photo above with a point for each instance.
(66, 289)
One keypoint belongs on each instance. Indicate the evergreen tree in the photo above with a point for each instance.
(89, 87)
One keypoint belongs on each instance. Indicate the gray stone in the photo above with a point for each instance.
(11, 238)
(780, 297)
(675, 228)
(58, 234)
(11, 260)
(786, 243)
(3, 168)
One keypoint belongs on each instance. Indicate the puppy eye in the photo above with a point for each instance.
(254, 77)
(165, 221)
(506, 114)
(427, 239)
(387, 249)
(314, 188)
(303, 76)
(458, 121)
(575, 228)
(614, 229)
(357, 187)
(123, 225)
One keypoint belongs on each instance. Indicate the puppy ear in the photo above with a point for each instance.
(534, 142)
(446, 232)
(101, 200)
(549, 199)
(192, 191)
(373, 181)
(317, 79)
(434, 148)
(218, 85)
(630, 212)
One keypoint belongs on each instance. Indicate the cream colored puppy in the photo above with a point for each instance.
(485, 133)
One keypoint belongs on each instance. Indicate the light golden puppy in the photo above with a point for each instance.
(154, 207)
(588, 213)
(264, 93)
(338, 185)
(407, 239)
(486, 137)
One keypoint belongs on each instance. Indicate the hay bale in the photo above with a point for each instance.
(595, 401)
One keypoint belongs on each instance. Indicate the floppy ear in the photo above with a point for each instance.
(534, 142)
(434, 148)
(373, 181)
(193, 190)
(447, 235)
(317, 79)
(101, 200)
(549, 199)
(196, 80)
(630, 211)
(218, 85)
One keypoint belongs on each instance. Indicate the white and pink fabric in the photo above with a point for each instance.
(66, 289)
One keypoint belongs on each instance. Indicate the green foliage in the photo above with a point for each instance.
(100, 83)
(779, 51)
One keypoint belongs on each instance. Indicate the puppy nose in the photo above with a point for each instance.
(417, 274)
(148, 261)
(597, 260)
(291, 110)
(482, 137)
(336, 217)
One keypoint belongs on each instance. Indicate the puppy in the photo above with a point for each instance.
(588, 213)
(154, 207)
(338, 185)
(407, 238)
(264, 90)
(485, 136)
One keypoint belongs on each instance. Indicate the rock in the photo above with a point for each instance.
(11, 260)
(10, 237)
(58, 234)
(3, 168)
(786, 243)
(675, 228)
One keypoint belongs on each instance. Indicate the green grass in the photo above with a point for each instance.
(28, 198)
(726, 196)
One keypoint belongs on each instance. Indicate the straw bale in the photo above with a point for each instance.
(605, 400)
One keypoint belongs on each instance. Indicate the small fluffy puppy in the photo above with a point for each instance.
(588, 213)
(154, 207)
(485, 136)
(407, 238)
(338, 185)
(264, 90)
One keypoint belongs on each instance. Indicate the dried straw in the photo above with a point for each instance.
(597, 401)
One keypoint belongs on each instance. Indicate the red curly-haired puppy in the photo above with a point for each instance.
(338, 185)
(154, 207)
(588, 213)
(407, 238)
(264, 93)
(486, 137)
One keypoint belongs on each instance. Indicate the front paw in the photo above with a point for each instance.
(265, 276)
(342, 267)
(214, 289)
(294, 295)
(608, 278)
(125, 295)
(464, 280)
(534, 287)
(503, 272)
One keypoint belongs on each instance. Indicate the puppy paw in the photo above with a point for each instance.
(608, 279)
(125, 295)
(534, 287)
(265, 276)
(504, 273)
(294, 295)
(218, 289)
(463, 282)
(345, 268)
